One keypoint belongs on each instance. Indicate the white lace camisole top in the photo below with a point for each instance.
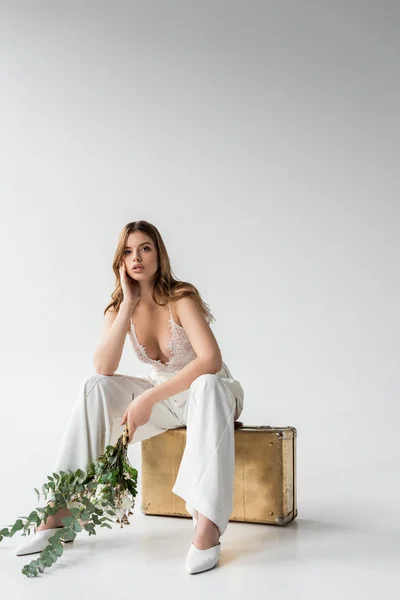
(181, 350)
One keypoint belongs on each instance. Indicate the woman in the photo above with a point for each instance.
(189, 385)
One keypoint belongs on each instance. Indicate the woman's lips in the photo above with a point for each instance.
(137, 269)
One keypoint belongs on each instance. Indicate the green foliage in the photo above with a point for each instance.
(98, 492)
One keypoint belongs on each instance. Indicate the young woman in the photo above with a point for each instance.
(189, 384)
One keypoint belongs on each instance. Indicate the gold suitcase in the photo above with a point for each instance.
(264, 480)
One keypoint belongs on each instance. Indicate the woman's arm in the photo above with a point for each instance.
(108, 353)
(208, 353)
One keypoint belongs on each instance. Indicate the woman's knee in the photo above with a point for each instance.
(206, 378)
(211, 387)
(91, 380)
(90, 384)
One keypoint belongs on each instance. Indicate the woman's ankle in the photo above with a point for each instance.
(54, 520)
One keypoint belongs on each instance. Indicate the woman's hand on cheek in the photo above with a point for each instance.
(137, 414)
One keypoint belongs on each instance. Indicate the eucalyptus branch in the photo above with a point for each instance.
(107, 487)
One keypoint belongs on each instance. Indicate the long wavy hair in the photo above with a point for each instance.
(166, 287)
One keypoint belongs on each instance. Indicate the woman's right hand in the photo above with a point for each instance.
(130, 288)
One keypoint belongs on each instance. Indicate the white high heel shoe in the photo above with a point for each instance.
(201, 560)
(38, 541)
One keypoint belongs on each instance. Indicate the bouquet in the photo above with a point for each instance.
(108, 487)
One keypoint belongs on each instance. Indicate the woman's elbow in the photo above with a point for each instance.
(215, 364)
(103, 369)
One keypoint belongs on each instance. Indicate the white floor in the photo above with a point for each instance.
(345, 543)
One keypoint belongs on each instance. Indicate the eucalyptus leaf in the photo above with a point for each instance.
(89, 494)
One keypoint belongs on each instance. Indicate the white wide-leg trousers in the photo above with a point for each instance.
(208, 409)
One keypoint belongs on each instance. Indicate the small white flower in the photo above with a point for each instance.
(127, 503)
(99, 490)
(119, 513)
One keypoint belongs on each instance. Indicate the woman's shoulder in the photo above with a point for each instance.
(182, 288)
(190, 291)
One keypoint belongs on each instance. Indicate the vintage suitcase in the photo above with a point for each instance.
(264, 481)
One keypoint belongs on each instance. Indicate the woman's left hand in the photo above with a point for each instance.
(138, 413)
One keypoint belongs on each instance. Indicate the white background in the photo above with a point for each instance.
(261, 139)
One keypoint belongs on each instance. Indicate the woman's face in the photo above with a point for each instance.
(140, 250)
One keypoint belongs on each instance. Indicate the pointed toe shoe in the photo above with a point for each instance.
(202, 560)
(37, 542)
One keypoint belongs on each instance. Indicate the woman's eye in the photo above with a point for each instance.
(148, 248)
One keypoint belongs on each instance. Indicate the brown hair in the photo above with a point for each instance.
(166, 287)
